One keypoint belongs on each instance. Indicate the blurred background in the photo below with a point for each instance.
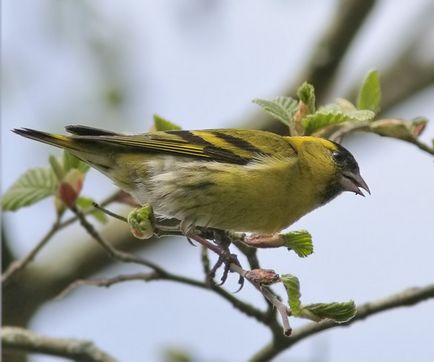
(199, 63)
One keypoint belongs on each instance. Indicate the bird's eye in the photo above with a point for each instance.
(338, 156)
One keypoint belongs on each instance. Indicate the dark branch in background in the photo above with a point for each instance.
(328, 54)
(20, 339)
(405, 298)
(409, 73)
(7, 254)
(333, 45)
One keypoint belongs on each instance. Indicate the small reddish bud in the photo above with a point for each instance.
(70, 187)
(262, 276)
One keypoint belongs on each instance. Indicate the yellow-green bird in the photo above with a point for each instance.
(230, 179)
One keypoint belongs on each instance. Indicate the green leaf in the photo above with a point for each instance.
(361, 115)
(292, 286)
(338, 312)
(86, 203)
(281, 108)
(57, 167)
(33, 186)
(314, 122)
(70, 161)
(369, 96)
(299, 241)
(306, 93)
(99, 216)
(162, 124)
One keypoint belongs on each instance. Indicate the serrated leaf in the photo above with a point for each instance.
(314, 122)
(33, 186)
(281, 108)
(162, 124)
(300, 242)
(369, 96)
(338, 312)
(361, 115)
(292, 286)
(70, 161)
(306, 93)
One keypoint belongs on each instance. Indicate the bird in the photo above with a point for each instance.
(228, 179)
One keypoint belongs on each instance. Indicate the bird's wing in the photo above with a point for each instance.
(223, 145)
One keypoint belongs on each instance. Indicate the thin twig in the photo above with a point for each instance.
(243, 307)
(422, 146)
(405, 298)
(24, 340)
(108, 282)
(111, 251)
(20, 264)
(108, 212)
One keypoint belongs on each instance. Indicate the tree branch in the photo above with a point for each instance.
(405, 298)
(20, 339)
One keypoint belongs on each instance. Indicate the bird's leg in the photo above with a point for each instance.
(221, 248)
(222, 238)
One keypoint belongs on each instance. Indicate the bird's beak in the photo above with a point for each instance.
(353, 182)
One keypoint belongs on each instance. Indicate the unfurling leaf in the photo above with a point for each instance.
(338, 312)
(292, 286)
(306, 94)
(70, 162)
(329, 115)
(281, 108)
(299, 241)
(405, 130)
(162, 124)
(35, 185)
(141, 222)
(369, 96)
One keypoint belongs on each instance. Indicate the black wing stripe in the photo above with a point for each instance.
(238, 142)
(190, 137)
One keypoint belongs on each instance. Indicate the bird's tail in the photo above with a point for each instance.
(57, 140)
(84, 143)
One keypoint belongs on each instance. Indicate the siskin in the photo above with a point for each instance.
(230, 179)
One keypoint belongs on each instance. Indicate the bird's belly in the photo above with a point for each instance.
(216, 195)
